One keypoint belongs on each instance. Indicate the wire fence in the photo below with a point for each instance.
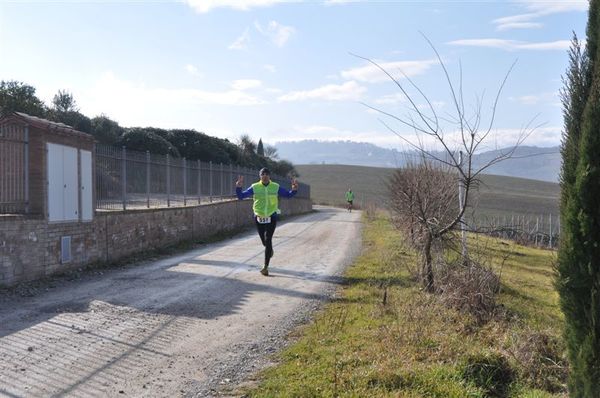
(128, 179)
(536, 230)
(14, 169)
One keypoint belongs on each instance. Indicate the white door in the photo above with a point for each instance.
(63, 191)
(71, 196)
(55, 182)
(87, 211)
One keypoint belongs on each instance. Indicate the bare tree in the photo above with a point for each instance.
(423, 198)
(427, 123)
(246, 144)
(271, 152)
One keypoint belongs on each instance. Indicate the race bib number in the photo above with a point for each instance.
(263, 220)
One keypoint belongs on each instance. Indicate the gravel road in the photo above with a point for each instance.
(187, 325)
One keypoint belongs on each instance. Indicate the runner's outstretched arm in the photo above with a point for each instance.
(291, 193)
(238, 189)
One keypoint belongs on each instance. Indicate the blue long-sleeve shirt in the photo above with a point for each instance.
(250, 192)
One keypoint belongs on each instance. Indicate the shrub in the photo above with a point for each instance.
(541, 361)
(470, 288)
(489, 372)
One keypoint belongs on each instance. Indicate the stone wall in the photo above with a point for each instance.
(30, 247)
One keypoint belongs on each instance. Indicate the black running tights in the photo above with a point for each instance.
(266, 231)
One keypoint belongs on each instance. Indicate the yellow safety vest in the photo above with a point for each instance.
(265, 198)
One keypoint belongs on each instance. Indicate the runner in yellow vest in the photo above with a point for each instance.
(266, 195)
(349, 199)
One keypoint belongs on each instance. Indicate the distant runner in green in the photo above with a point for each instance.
(266, 195)
(349, 199)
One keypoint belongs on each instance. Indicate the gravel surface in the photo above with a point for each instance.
(194, 325)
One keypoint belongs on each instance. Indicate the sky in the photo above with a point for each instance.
(294, 70)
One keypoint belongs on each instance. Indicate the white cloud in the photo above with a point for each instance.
(551, 98)
(270, 68)
(526, 99)
(371, 74)
(136, 103)
(399, 98)
(521, 18)
(278, 34)
(241, 43)
(545, 7)
(204, 6)
(541, 136)
(435, 104)
(336, 2)
(553, 45)
(391, 99)
(274, 90)
(332, 92)
(275, 32)
(331, 133)
(498, 138)
(245, 84)
(512, 45)
(538, 9)
(192, 70)
(318, 129)
(519, 25)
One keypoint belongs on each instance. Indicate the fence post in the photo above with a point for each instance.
(26, 168)
(184, 163)
(231, 189)
(550, 234)
(237, 172)
(124, 176)
(168, 183)
(199, 181)
(210, 181)
(148, 179)
(222, 190)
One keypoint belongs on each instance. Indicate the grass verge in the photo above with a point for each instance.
(383, 337)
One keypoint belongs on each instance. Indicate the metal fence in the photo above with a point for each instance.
(128, 179)
(537, 230)
(14, 169)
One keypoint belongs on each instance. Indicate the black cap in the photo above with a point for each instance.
(264, 170)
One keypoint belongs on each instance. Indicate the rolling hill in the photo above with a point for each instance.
(497, 196)
(528, 161)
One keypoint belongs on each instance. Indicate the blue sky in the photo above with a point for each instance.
(281, 70)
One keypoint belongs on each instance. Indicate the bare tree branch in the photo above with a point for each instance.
(424, 194)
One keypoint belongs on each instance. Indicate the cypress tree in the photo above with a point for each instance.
(260, 150)
(578, 268)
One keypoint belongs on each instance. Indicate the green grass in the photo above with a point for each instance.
(328, 183)
(497, 196)
(413, 346)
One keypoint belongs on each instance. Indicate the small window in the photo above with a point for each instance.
(65, 250)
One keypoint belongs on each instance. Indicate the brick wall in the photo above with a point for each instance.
(30, 247)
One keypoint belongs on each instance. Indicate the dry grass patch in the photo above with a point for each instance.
(384, 337)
